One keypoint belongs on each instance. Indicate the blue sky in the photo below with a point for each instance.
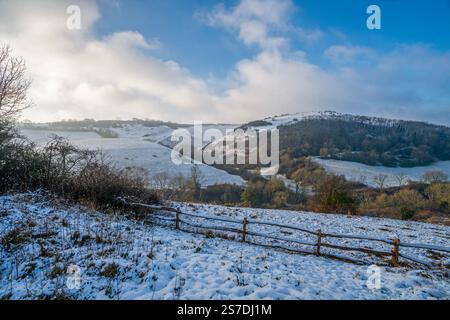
(186, 39)
(204, 49)
(231, 61)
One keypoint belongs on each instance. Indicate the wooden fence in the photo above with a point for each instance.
(242, 230)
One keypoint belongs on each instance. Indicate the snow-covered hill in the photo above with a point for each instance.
(120, 258)
(137, 146)
(150, 147)
(289, 119)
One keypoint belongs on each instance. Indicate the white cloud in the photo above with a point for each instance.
(310, 36)
(133, 39)
(253, 20)
(348, 53)
(271, 83)
(76, 74)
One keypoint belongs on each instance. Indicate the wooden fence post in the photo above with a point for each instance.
(177, 219)
(395, 253)
(244, 229)
(319, 242)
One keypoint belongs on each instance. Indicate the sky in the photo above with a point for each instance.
(231, 61)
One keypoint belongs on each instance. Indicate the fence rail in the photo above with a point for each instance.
(244, 232)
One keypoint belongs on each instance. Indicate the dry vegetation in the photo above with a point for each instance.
(418, 201)
(41, 245)
(72, 173)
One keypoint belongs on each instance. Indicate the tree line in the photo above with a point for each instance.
(362, 139)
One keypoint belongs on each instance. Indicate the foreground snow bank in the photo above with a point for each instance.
(125, 259)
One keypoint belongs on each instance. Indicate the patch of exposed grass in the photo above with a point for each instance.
(110, 271)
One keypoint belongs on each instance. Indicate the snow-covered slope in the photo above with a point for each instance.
(149, 147)
(289, 119)
(152, 134)
(125, 259)
(137, 146)
(351, 170)
(359, 172)
(275, 122)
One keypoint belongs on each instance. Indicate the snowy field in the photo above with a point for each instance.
(359, 172)
(137, 146)
(124, 259)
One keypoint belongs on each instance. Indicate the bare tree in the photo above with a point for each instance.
(380, 180)
(178, 183)
(362, 179)
(197, 177)
(161, 180)
(13, 84)
(401, 178)
(434, 177)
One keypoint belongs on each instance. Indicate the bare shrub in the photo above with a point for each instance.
(380, 181)
(333, 195)
(73, 173)
(402, 204)
(439, 196)
(434, 177)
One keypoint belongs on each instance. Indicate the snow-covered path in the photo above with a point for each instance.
(126, 259)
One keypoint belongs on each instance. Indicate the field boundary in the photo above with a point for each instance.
(174, 216)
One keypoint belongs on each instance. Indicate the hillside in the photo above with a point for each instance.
(368, 140)
(120, 258)
(395, 176)
(357, 147)
(136, 146)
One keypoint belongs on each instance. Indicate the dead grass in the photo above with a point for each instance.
(110, 271)
(16, 236)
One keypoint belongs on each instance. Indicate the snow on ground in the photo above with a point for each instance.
(289, 119)
(290, 184)
(372, 227)
(133, 148)
(125, 259)
(359, 172)
(152, 134)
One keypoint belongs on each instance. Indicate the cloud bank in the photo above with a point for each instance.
(77, 74)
